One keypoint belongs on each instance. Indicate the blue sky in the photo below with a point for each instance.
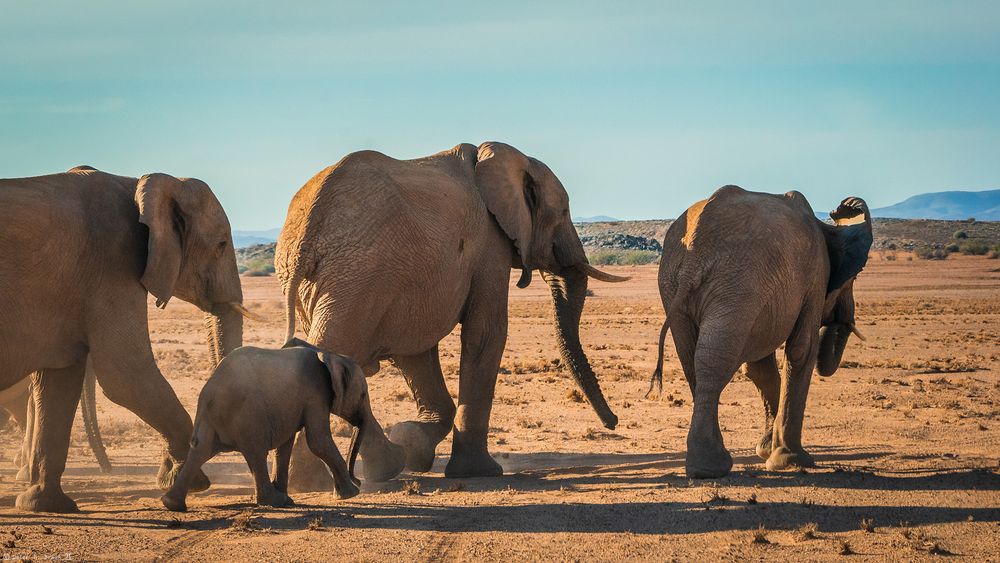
(640, 108)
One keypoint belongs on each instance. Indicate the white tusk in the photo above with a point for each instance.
(239, 308)
(857, 333)
(602, 276)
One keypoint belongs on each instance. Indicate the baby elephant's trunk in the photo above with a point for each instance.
(355, 448)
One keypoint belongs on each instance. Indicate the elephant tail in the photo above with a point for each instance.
(657, 378)
(291, 296)
(88, 407)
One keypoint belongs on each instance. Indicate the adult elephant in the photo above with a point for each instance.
(82, 249)
(382, 258)
(741, 274)
(16, 401)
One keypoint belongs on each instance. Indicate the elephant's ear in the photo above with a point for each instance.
(504, 181)
(848, 242)
(157, 197)
(339, 371)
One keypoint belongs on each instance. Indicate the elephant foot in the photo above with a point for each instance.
(175, 503)
(417, 442)
(275, 499)
(167, 474)
(472, 463)
(347, 490)
(309, 475)
(764, 447)
(708, 461)
(382, 462)
(23, 475)
(785, 458)
(45, 499)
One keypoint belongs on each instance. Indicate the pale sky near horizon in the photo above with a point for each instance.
(641, 108)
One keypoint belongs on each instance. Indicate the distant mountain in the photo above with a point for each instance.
(243, 239)
(984, 206)
(595, 219)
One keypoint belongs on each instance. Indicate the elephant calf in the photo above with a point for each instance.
(258, 399)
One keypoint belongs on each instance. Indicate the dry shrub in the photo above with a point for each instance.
(759, 536)
(807, 532)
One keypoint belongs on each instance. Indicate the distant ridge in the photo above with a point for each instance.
(595, 219)
(243, 239)
(953, 205)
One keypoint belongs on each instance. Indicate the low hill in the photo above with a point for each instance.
(955, 205)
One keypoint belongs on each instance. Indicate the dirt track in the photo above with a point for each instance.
(907, 434)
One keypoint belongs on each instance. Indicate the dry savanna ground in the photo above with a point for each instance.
(907, 436)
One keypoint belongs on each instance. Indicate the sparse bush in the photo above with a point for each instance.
(961, 235)
(953, 247)
(974, 248)
(615, 257)
(931, 253)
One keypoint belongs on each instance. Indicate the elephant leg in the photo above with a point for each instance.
(24, 470)
(800, 353)
(435, 409)
(765, 375)
(321, 445)
(307, 473)
(715, 362)
(130, 377)
(203, 450)
(484, 335)
(265, 493)
(282, 457)
(685, 334)
(56, 392)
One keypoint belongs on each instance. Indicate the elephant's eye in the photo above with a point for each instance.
(223, 244)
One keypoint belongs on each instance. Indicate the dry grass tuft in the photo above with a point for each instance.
(316, 524)
(411, 487)
(574, 395)
(867, 525)
(759, 536)
(807, 532)
(845, 548)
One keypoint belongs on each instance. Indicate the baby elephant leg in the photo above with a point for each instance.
(267, 494)
(321, 445)
(281, 460)
(175, 498)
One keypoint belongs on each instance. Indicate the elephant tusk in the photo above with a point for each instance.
(239, 308)
(525, 280)
(857, 333)
(602, 276)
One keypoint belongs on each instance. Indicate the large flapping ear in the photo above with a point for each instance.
(503, 179)
(848, 242)
(156, 195)
(340, 374)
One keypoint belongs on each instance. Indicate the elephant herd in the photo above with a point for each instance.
(379, 259)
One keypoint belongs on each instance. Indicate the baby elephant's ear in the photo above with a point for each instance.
(339, 374)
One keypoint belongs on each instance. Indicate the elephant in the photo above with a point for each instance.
(256, 401)
(15, 400)
(83, 250)
(381, 258)
(741, 273)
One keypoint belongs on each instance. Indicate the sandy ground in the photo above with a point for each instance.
(907, 435)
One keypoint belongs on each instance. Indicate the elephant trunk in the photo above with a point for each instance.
(88, 408)
(225, 331)
(833, 341)
(569, 292)
(355, 447)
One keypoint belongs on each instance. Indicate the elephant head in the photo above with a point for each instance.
(190, 255)
(532, 207)
(848, 242)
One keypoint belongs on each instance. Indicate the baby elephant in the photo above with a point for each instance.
(258, 399)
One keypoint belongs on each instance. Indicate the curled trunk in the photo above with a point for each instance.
(568, 295)
(833, 341)
(352, 455)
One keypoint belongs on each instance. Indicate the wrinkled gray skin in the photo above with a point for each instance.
(257, 400)
(382, 258)
(743, 273)
(15, 400)
(83, 249)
